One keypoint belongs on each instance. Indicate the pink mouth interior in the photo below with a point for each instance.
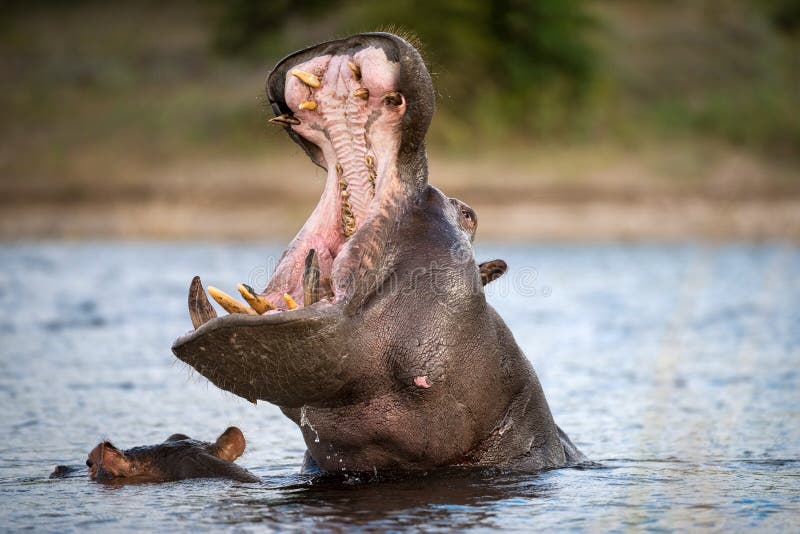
(359, 139)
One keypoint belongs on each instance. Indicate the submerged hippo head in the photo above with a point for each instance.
(178, 457)
(373, 333)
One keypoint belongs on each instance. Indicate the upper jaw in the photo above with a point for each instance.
(412, 81)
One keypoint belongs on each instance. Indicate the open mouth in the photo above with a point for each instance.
(344, 108)
(360, 108)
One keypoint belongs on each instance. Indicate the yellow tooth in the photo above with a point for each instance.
(362, 93)
(370, 161)
(308, 104)
(290, 303)
(339, 169)
(230, 304)
(256, 301)
(306, 77)
(356, 70)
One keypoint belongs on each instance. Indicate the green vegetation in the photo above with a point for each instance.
(725, 70)
(500, 66)
(572, 69)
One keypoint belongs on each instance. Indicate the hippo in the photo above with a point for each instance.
(373, 334)
(179, 457)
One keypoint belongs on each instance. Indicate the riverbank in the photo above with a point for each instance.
(658, 220)
(669, 192)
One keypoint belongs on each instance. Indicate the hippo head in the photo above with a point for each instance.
(360, 108)
(178, 457)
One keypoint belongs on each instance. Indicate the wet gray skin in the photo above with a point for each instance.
(395, 362)
(179, 457)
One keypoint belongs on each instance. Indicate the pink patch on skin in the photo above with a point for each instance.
(421, 382)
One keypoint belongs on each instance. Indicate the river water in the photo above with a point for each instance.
(675, 368)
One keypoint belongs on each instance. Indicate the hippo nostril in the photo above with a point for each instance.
(89, 463)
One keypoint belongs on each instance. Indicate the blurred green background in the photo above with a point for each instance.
(557, 119)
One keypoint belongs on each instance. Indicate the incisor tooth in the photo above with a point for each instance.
(355, 69)
(361, 92)
(230, 304)
(306, 77)
(308, 104)
(290, 303)
(256, 301)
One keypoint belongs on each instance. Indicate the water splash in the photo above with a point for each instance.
(305, 422)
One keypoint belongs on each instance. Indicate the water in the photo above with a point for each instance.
(675, 368)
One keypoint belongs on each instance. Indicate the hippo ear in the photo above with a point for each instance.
(113, 461)
(492, 270)
(230, 444)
